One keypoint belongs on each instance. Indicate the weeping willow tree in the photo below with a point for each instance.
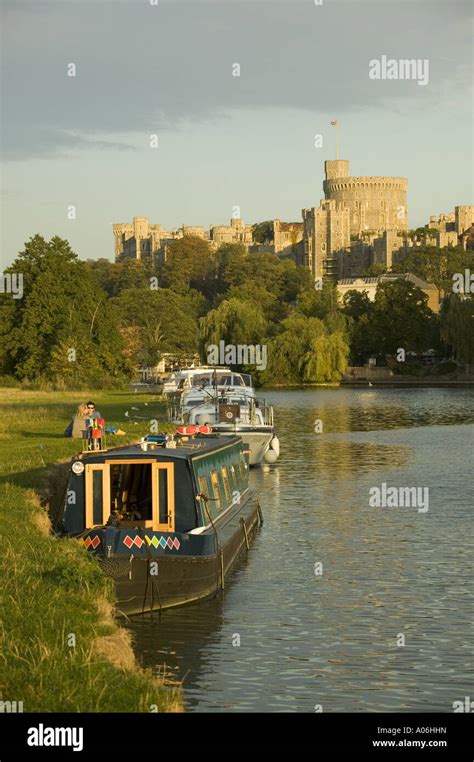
(326, 360)
(234, 321)
(285, 352)
(457, 327)
(305, 351)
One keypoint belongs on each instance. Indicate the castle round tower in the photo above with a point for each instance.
(375, 203)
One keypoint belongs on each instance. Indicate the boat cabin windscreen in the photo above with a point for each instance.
(135, 492)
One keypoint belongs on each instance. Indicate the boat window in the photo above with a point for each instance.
(97, 497)
(203, 487)
(242, 468)
(162, 497)
(225, 479)
(216, 488)
(97, 494)
(233, 474)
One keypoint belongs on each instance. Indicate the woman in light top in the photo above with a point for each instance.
(79, 421)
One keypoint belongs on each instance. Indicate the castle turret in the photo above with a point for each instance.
(375, 203)
(336, 168)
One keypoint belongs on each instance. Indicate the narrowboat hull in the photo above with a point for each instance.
(177, 579)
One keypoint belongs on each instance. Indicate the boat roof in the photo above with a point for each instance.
(201, 369)
(192, 448)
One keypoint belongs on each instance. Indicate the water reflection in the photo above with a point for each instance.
(332, 639)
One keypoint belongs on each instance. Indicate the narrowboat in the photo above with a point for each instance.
(166, 517)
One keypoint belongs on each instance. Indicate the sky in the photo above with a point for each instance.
(166, 69)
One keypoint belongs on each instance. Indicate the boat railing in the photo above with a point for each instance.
(180, 413)
(266, 410)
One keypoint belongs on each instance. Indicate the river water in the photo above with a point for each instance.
(338, 605)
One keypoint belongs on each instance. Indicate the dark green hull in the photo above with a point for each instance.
(183, 579)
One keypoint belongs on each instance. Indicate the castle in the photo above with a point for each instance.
(361, 221)
(352, 208)
(140, 239)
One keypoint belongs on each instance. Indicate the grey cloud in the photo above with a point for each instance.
(146, 68)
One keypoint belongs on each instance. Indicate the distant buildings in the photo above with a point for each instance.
(140, 239)
(236, 232)
(361, 221)
(369, 285)
(287, 236)
(326, 238)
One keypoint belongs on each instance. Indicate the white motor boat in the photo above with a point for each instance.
(231, 408)
(180, 380)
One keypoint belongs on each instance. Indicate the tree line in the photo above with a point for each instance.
(93, 322)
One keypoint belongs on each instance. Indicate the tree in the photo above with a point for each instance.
(273, 309)
(114, 277)
(64, 326)
(434, 265)
(234, 321)
(314, 302)
(262, 232)
(304, 351)
(163, 320)
(375, 270)
(293, 279)
(190, 264)
(326, 359)
(401, 318)
(356, 303)
(230, 265)
(457, 327)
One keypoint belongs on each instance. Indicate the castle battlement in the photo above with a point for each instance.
(369, 183)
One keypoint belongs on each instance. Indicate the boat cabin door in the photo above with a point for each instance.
(97, 494)
(114, 487)
(163, 496)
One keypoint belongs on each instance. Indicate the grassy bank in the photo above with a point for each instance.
(60, 649)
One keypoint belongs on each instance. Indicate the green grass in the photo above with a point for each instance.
(60, 648)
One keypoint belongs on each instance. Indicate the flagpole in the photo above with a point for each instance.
(337, 140)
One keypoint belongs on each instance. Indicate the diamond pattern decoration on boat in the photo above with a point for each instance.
(94, 541)
(129, 541)
(163, 542)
